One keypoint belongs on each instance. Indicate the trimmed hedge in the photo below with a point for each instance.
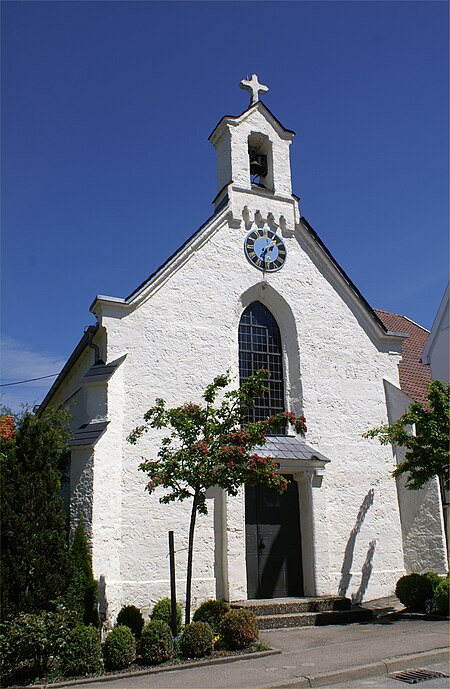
(415, 591)
(212, 612)
(156, 642)
(238, 629)
(119, 649)
(163, 611)
(441, 596)
(197, 640)
(131, 617)
(82, 654)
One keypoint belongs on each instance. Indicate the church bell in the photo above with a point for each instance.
(258, 165)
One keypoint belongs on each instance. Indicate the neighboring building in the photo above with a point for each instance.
(414, 375)
(253, 287)
(436, 352)
(416, 507)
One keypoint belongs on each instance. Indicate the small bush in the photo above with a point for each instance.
(34, 638)
(163, 610)
(212, 612)
(414, 591)
(197, 640)
(434, 578)
(82, 653)
(131, 617)
(441, 596)
(156, 642)
(119, 649)
(238, 629)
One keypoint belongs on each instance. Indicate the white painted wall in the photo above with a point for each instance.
(179, 332)
(183, 335)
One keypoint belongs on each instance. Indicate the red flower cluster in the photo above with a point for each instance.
(200, 447)
(7, 427)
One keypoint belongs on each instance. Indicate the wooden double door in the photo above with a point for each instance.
(273, 542)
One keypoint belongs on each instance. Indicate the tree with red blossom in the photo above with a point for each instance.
(7, 426)
(210, 445)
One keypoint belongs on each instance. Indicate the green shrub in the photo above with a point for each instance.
(238, 629)
(197, 640)
(156, 642)
(119, 649)
(82, 592)
(162, 611)
(212, 612)
(82, 653)
(434, 578)
(441, 596)
(131, 617)
(414, 591)
(34, 638)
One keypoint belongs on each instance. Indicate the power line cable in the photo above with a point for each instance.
(30, 380)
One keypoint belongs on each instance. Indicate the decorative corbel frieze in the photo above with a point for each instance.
(248, 222)
(259, 220)
(272, 222)
(233, 222)
(286, 231)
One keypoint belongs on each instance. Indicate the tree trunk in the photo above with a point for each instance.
(187, 617)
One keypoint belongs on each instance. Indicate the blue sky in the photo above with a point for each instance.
(106, 166)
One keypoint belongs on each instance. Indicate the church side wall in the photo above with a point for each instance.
(107, 503)
(185, 334)
(73, 397)
(422, 520)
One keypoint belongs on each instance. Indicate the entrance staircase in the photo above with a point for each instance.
(274, 613)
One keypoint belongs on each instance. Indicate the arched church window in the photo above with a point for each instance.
(260, 347)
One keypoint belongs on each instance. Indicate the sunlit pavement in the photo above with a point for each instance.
(317, 656)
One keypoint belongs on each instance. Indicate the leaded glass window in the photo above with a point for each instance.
(260, 347)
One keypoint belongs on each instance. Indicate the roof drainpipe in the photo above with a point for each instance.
(96, 349)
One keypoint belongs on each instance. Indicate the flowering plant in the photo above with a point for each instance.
(211, 446)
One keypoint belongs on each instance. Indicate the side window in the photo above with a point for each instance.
(260, 347)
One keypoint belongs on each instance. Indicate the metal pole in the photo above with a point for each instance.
(173, 592)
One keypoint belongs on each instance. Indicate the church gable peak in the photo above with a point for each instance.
(252, 152)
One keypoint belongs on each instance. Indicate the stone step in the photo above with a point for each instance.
(289, 606)
(314, 619)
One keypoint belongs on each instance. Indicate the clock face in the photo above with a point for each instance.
(265, 249)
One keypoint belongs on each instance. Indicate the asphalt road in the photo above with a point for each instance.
(318, 656)
(383, 682)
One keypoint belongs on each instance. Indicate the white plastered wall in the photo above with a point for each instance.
(184, 333)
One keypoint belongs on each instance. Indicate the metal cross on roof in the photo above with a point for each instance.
(254, 88)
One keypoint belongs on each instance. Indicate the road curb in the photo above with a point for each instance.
(321, 679)
(156, 670)
(381, 667)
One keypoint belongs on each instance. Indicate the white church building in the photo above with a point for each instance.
(254, 287)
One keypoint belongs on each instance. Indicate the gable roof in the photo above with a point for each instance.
(413, 374)
(264, 110)
(200, 234)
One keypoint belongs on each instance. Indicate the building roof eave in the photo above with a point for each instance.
(73, 358)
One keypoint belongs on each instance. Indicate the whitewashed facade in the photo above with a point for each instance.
(179, 330)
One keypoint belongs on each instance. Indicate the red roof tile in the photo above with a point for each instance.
(414, 376)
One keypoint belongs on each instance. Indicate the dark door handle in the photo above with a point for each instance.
(261, 544)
